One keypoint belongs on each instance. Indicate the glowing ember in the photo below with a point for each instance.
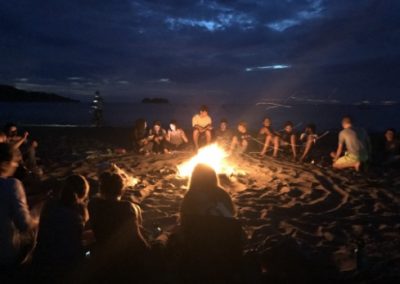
(213, 156)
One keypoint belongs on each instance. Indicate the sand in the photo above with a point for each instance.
(350, 220)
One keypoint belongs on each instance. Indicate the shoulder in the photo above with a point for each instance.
(127, 207)
(14, 186)
(223, 194)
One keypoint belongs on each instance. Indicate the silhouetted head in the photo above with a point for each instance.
(267, 122)
(9, 158)
(223, 125)
(347, 122)
(288, 126)
(390, 134)
(11, 129)
(75, 190)
(203, 178)
(111, 185)
(173, 125)
(242, 127)
(140, 124)
(203, 110)
(311, 128)
(157, 125)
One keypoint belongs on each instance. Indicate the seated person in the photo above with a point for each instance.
(59, 247)
(120, 245)
(357, 144)
(15, 219)
(308, 138)
(202, 124)
(267, 136)
(140, 134)
(223, 134)
(207, 218)
(176, 138)
(287, 138)
(241, 138)
(157, 138)
(392, 147)
(27, 148)
(29, 157)
(13, 138)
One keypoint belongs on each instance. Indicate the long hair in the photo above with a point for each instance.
(111, 185)
(203, 178)
(7, 155)
(75, 189)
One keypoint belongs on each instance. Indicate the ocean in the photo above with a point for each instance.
(371, 117)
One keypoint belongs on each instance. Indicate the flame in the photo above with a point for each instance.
(213, 156)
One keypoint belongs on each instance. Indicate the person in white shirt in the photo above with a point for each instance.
(202, 124)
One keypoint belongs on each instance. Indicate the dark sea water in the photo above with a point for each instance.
(373, 118)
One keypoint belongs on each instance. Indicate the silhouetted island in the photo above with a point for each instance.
(155, 101)
(12, 94)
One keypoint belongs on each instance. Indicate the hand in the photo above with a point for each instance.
(26, 134)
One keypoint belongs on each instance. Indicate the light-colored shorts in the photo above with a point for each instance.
(349, 159)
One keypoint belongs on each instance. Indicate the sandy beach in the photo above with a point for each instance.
(345, 221)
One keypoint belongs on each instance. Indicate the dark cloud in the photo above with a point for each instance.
(126, 47)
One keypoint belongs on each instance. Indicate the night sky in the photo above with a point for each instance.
(224, 51)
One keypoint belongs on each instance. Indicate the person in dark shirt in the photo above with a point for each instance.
(120, 245)
(141, 144)
(392, 147)
(241, 138)
(287, 138)
(207, 217)
(59, 247)
(308, 139)
(267, 136)
(157, 138)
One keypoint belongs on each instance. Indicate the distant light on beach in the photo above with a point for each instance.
(268, 67)
(213, 156)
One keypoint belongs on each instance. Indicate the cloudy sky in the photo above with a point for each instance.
(224, 51)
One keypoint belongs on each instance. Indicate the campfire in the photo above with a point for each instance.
(212, 155)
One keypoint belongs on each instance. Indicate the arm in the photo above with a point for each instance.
(184, 138)
(338, 152)
(21, 141)
(168, 136)
(307, 149)
(20, 211)
(293, 144)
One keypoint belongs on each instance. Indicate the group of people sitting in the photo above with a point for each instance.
(85, 234)
(354, 147)
(82, 237)
(158, 140)
(25, 147)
